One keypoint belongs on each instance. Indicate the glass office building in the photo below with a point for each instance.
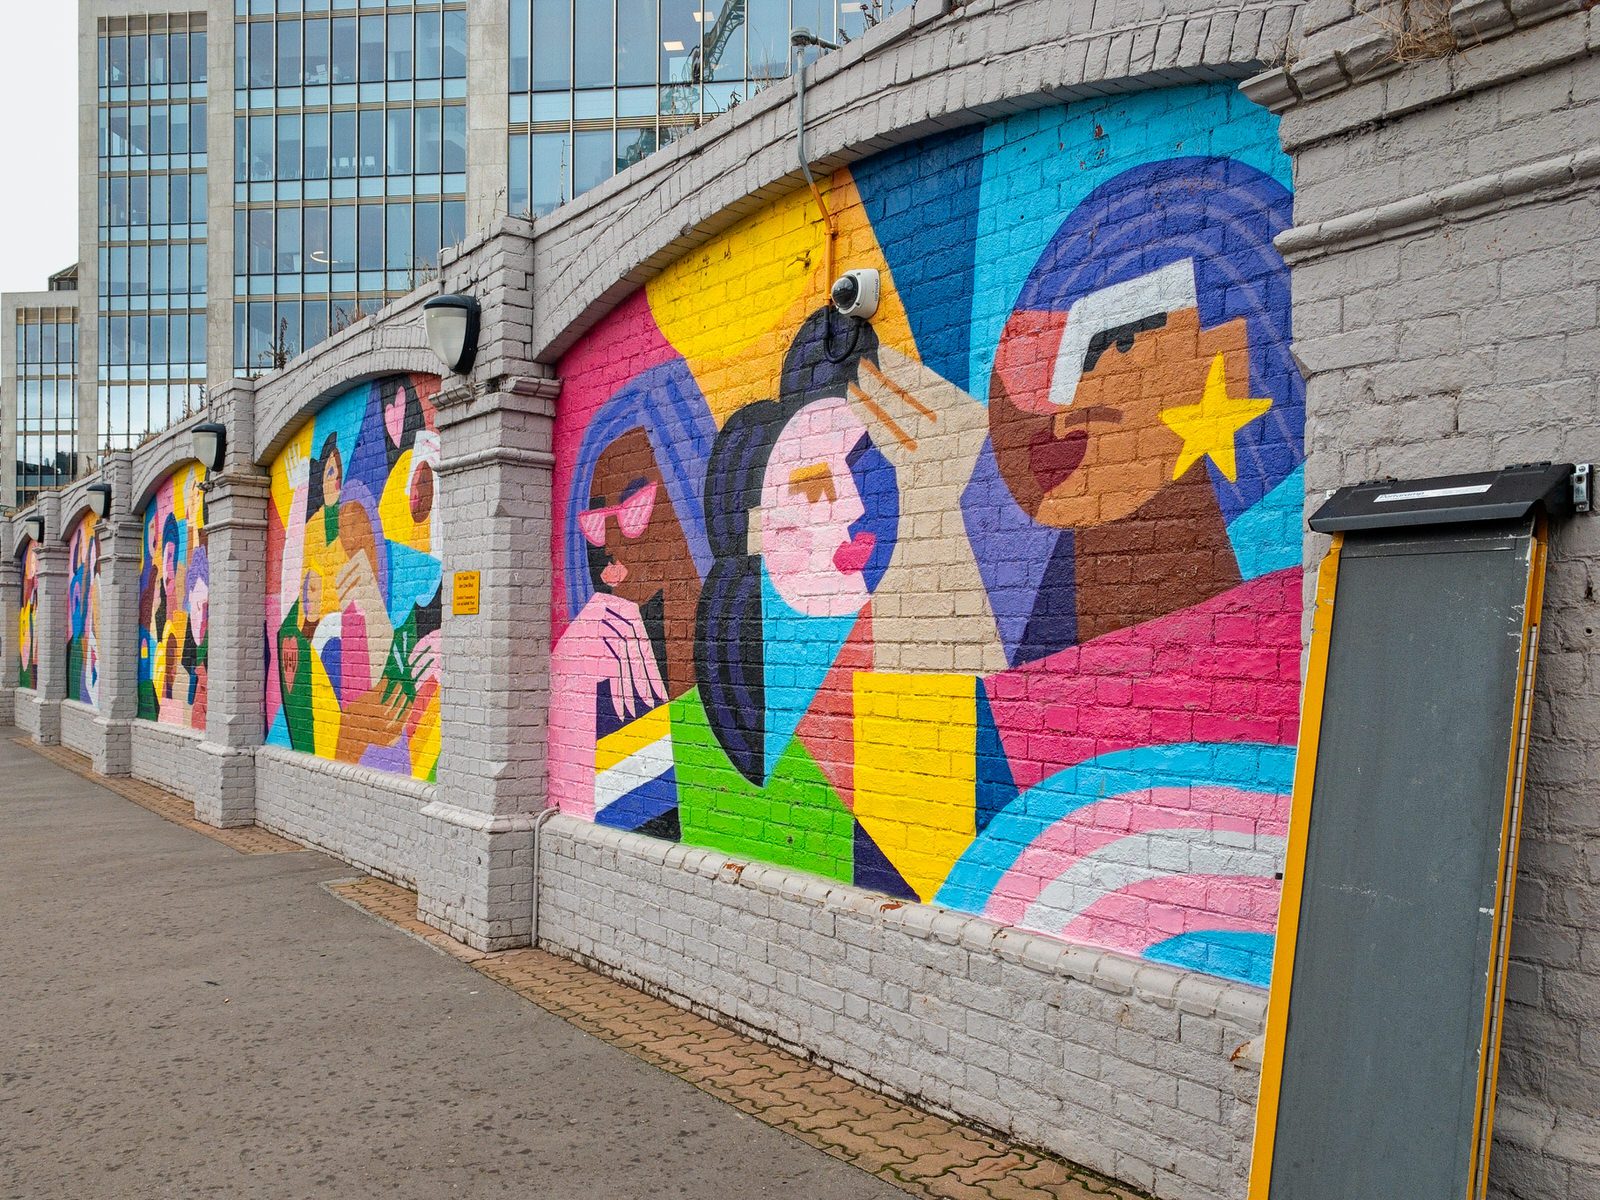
(595, 85)
(150, 301)
(349, 162)
(39, 416)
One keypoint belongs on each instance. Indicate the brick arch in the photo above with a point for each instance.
(878, 92)
(154, 463)
(372, 349)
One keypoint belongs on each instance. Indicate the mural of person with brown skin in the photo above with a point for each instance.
(634, 548)
(640, 552)
(1144, 358)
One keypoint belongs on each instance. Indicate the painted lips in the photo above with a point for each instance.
(853, 555)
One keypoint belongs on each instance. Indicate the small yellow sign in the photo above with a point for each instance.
(466, 593)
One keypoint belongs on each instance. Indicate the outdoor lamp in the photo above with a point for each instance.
(209, 443)
(453, 330)
(34, 526)
(99, 498)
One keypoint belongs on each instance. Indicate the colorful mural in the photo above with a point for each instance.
(28, 602)
(994, 602)
(175, 602)
(83, 611)
(353, 577)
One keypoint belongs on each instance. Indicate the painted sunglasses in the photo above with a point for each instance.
(633, 515)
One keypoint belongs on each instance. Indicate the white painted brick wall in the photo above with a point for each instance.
(168, 757)
(1138, 1070)
(368, 818)
(78, 729)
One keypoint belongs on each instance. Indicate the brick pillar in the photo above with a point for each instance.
(236, 542)
(50, 626)
(475, 876)
(120, 533)
(10, 584)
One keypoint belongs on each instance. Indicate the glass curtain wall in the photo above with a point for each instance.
(45, 351)
(350, 162)
(598, 84)
(151, 296)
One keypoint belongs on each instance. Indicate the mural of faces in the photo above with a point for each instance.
(994, 601)
(353, 563)
(27, 641)
(83, 612)
(175, 602)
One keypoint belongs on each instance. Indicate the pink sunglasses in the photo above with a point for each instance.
(633, 514)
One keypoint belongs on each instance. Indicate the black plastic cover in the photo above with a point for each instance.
(1509, 494)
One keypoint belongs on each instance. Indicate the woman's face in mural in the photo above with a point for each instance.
(332, 477)
(809, 501)
(1078, 397)
(631, 522)
(200, 609)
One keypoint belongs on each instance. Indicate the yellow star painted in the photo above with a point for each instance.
(1208, 429)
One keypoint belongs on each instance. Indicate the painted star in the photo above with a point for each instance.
(1208, 429)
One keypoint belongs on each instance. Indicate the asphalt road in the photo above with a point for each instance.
(178, 1020)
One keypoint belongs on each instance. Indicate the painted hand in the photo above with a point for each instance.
(930, 612)
(296, 468)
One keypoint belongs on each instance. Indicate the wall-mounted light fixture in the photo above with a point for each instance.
(99, 499)
(34, 527)
(209, 444)
(453, 331)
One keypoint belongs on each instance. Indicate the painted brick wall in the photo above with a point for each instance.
(174, 602)
(78, 730)
(1136, 1069)
(353, 582)
(994, 602)
(81, 653)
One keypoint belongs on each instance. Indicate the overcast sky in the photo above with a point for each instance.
(38, 141)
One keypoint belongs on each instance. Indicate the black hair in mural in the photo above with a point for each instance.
(316, 498)
(729, 643)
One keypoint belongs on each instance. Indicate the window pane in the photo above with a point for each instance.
(197, 128)
(261, 241)
(289, 54)
(344, 145)
(369, 248)
(399, 122)
(593, 160)
(455, 45)
(401, 65)
(178, 60)
(317, 48)
(289, 146)
(430, 142)
(343, 255)
(261, 54)
(519, 45)
(636, 41)
(372, 141)
(425, 240)
(454, 220)
(398, 218)
(455, 139)
(680, 34)
(179, 133)
(197, 57)
(288, 248)
(552, 45)
(316, 240)
(591, 36)
(158, 58)
(517, 194)
(316, 146)
(430, 46)
(138, 61)
(371, 49)
(552, 156)
(345, 58)
(262, 141)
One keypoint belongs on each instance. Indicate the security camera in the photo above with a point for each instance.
(856, 293)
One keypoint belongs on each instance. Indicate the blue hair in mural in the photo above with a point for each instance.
(1221, 215)
(667, 405)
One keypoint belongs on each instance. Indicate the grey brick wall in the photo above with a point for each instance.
(78, 728)
(1135, 1069)
(1447, 289)
(169, 757)
(365, 817)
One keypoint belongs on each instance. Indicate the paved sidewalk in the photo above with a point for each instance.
(181, 1020)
